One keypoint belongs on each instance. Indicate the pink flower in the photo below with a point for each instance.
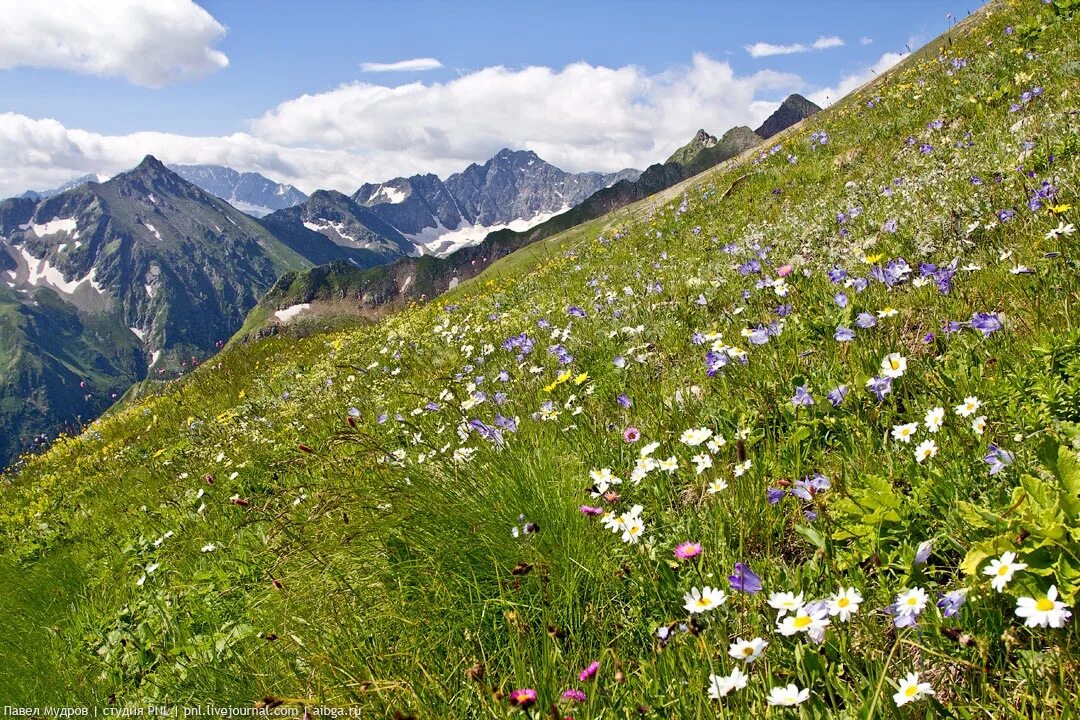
(589, 672)
(784, 270)
(631, 434)
(523, 697)
(687, 550)
(575, 695)
(591, 511)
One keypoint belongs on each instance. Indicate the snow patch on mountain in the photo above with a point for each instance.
(440, 242)
(51, 227)
(290, 312)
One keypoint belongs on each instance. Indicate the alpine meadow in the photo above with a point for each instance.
(797, 436)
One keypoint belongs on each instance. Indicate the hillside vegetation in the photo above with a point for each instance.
(800, 442)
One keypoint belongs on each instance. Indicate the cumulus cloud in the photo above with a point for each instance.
(149, 43)
(582, 117)
(827, 96)
(764, 49)
(864, 40)
(414, 65)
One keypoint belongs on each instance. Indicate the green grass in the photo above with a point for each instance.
(305, 550)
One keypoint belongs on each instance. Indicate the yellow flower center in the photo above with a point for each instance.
(748, 651)
(911, 690)
(1003, 570)
(1044, 605)
(843, 602)
(912, 601)
(802, 621)
(703, 602)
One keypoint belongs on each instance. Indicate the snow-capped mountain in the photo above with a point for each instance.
(248, 192)
(514, 189)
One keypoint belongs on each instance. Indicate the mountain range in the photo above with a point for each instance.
(111, 280)
(412, 278)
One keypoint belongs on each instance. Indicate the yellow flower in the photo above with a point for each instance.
(563, 377)
(1060, 209)
(582, 378)
(871, 259)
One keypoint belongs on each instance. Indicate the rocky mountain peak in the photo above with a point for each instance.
(795, 108)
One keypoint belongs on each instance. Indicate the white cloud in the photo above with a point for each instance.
(824, 43)
(414, 65)
(764, 49)
(582, 117)
(148, 43)
(864, 40)
(827, 96)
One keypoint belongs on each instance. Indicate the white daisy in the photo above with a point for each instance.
(1043, 612)
(911, 690)
(1002, 570)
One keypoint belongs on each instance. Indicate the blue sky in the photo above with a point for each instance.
(280, 51)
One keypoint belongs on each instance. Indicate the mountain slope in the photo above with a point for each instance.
(173, 267)
(376, 291)
(248, 192)
(843, 384)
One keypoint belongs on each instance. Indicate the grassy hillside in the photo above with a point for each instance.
(849, 366)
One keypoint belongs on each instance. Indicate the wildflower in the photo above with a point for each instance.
(836, 395)
(987, 323)
(998, 459)
(702, 462)
(523, 697)
(669, 465)
(633, 529)
(880, 386)
(904, 433)
(721, 685)
(1061, 229)
(590, 671)
(865, 320)
(590, 511)
(788, 696)
(747, 650)
(704, 599)
(1002, 570)
(951, 602)
(631, 435)
(911, 690)
(978, 425)
(968, 407)
(909, 604)
(893, 365)
(208, 548)
(695, 436)
(687, 550)
(1043, 612)
(809, 486)
(745, 579)
(922, 553)
(844, 334)
(574, 695)
(785, 602)
(715, 443)
(802, 397)
(649, 449)
(716, 486)
(624, 401)
(925, 450)
(934, 419)
(845, 603)
(807, 619)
